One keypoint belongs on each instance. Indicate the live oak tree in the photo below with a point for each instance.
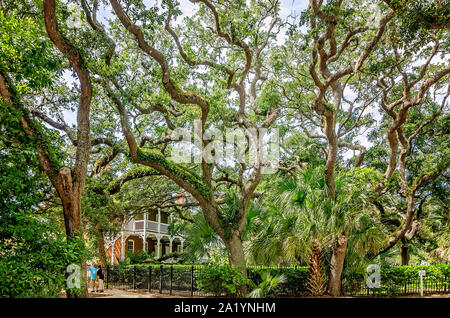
(413, 98)
(113, 196)
(429, 198)
(322, 96)
(233, 52)
(141, 73)
(33, 249)
(322, 74)
(67, 182)
(422, 14)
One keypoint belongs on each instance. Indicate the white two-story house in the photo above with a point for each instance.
(148, 232)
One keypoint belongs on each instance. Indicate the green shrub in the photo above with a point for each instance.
(137, 257)
(178, 257)
(400, 273)
(34, 252)
(218, 280)
(394, 280)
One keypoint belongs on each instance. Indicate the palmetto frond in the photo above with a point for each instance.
(267, 284)
(201, 237)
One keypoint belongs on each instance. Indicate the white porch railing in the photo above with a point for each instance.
(164, 228)
(152, 226)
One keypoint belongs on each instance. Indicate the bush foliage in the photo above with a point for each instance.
(218, 280)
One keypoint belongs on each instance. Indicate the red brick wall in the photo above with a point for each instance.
(138, 244)
(117, 251)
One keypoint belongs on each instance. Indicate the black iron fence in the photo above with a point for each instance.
(183, 281)
(172, 280)
(397, 287)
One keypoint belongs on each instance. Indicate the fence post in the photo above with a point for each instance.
(122, 277)
(445, 284)
(134, 277)
(192, 280)
(107, 276)
(160, 278)
(149, 280)
(171, 278)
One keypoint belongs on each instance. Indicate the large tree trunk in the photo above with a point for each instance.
(61, 179)
(405, 252)
(70, 189)
(73, 228)
(336, 266)
(101, 246)
(332, 150)
(237, 257)
(332, 139)
(71, 200)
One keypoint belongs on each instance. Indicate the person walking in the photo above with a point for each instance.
(100, 278)
(93, 270)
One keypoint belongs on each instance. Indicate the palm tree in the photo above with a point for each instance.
(303, 222)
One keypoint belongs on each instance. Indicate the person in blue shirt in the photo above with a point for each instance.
(93, 270)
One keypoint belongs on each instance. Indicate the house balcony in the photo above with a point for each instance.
(151, 226)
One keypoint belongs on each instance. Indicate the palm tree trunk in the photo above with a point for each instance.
(316, 278)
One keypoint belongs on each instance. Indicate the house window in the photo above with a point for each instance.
(130, 246)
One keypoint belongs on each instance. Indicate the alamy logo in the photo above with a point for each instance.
(74, 20)
(373, 20)
(73, 280)
(258, 147)
(373, 279)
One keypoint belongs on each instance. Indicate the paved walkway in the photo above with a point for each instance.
(120, 293)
